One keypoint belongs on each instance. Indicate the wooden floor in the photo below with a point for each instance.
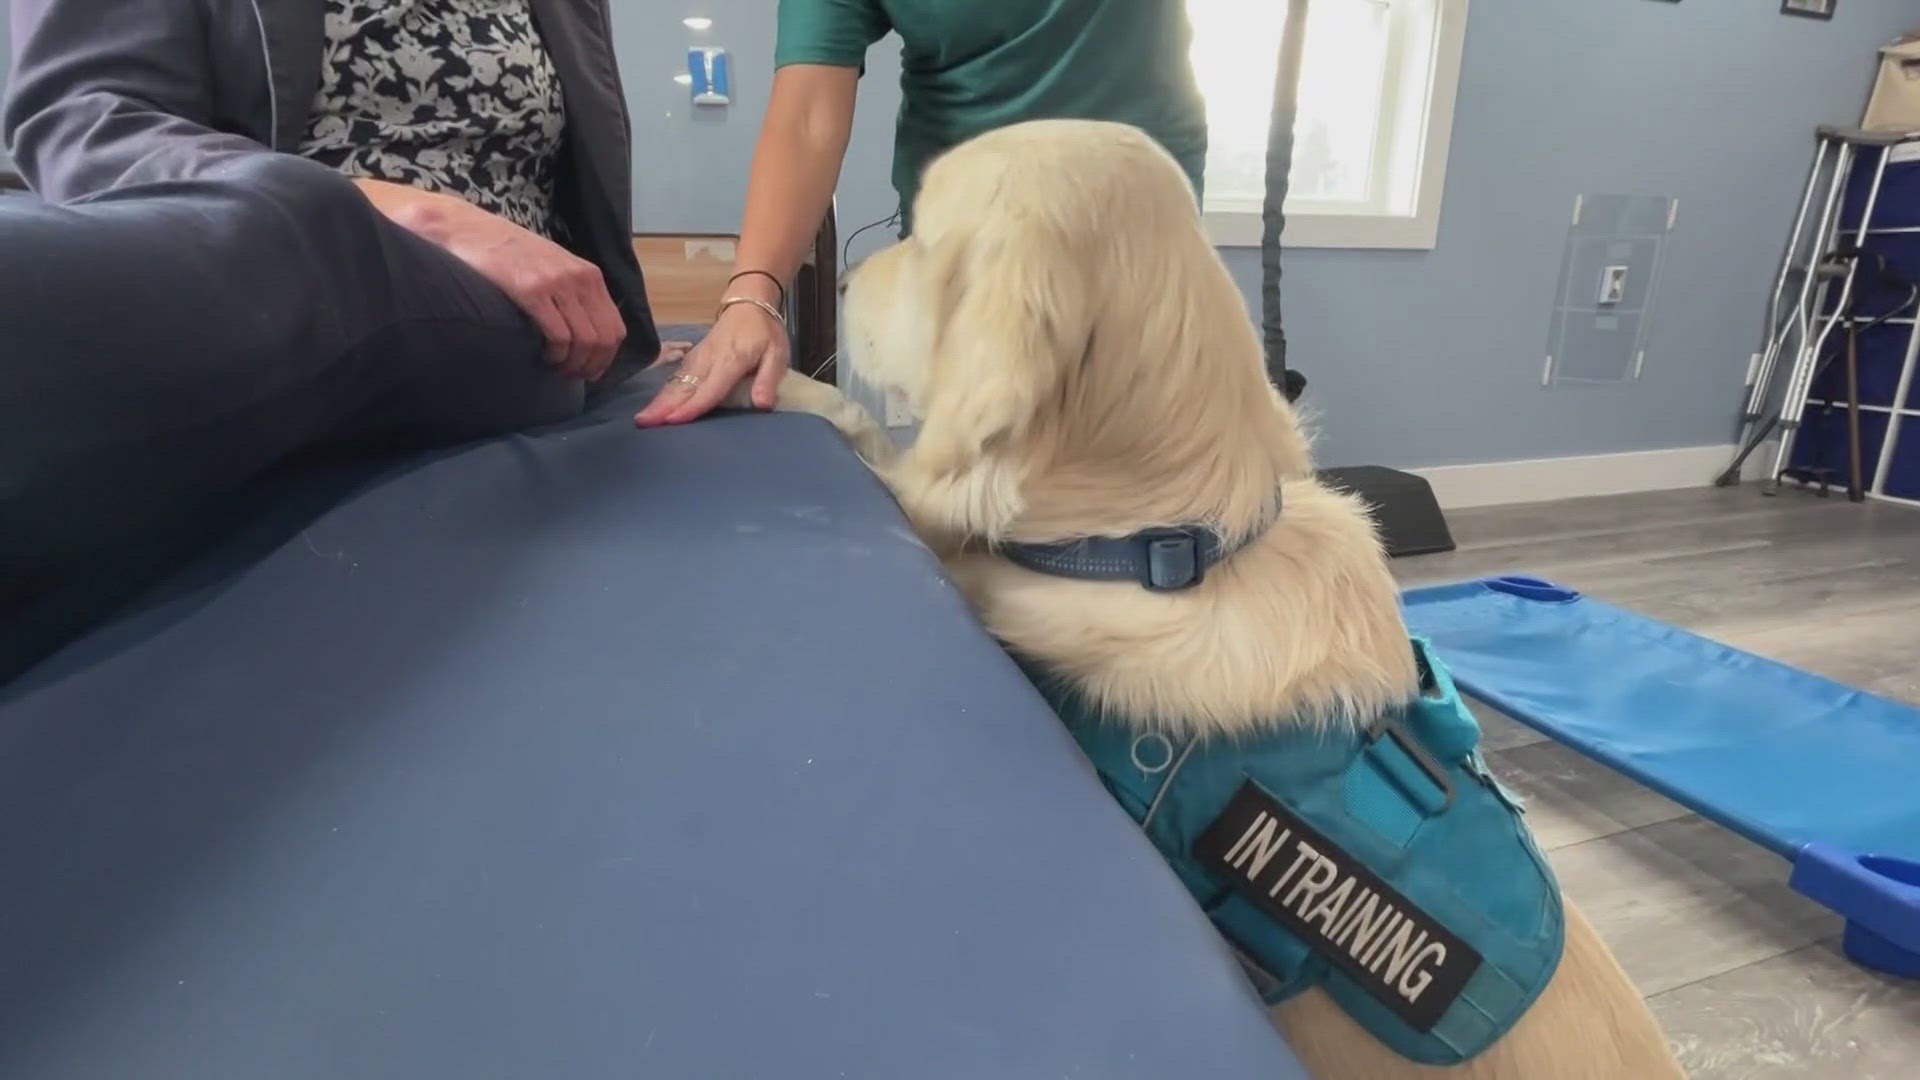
(1744, 974)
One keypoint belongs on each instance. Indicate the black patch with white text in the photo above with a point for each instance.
(1328, 899)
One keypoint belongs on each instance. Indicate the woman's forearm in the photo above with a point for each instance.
(795, 167)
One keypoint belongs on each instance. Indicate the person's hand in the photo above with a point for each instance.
(565, 295)
(745, 342)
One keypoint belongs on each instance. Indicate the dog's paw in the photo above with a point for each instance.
(798, 393)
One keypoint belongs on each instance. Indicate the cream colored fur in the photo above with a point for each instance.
(1082, 364)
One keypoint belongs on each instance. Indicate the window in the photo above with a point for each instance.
(1370, 140)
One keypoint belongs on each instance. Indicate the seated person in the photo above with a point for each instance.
(266, 229)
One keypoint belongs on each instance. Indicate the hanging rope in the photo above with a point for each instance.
(1286, 104)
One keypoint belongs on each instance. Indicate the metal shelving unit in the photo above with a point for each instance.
(1861, 206)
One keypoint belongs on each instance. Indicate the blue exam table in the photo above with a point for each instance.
(592, 754)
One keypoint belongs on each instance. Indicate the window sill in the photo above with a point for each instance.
(1376, 231)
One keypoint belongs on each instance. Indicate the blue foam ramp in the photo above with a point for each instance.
(1823, 774)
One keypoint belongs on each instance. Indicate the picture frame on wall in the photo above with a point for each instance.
(1808, 9)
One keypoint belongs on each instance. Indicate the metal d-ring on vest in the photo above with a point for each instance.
(1166, 784)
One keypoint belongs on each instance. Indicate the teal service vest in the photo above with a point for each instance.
(1384, 865)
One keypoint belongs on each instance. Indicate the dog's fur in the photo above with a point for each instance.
(1082, 364)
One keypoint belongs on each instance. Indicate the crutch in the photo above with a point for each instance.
(1878, 270)
(1760, 377)
(1792, 325)
(1801, 380)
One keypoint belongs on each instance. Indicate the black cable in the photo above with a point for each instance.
(846, 248)
(845, 261)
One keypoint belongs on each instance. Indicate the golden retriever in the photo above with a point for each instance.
(1082, 364)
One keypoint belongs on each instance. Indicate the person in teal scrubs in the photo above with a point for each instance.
(966, 68)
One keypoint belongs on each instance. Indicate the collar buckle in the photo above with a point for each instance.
(1174, 559)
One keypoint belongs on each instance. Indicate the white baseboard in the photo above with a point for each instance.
(1499, 482)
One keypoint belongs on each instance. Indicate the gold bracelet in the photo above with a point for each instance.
(756, 302)
(777, 283)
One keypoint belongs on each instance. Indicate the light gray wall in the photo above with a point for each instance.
(690, 164)
(1423, 358)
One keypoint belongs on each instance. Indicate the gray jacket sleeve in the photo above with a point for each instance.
(109, 95)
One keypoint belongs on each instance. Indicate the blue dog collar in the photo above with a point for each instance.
(1160, 560)
(1166, 559)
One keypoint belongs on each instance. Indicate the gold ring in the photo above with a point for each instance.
(690, 380)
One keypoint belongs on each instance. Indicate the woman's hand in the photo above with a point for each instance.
(802, 140)
(745, 343)
(565, 295)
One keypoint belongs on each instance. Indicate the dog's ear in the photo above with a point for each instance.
(1012, 314)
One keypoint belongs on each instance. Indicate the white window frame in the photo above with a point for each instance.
(1328, 225)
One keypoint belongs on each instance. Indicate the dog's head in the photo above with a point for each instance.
(1082, 364)
(1059, 320)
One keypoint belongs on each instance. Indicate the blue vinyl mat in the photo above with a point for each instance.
(1823, 774)
(582, 754)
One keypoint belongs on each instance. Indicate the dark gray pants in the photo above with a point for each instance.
(163, 346)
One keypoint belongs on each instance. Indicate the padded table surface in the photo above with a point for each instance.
(593, 754)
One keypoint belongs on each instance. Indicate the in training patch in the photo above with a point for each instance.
(1341, 909)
